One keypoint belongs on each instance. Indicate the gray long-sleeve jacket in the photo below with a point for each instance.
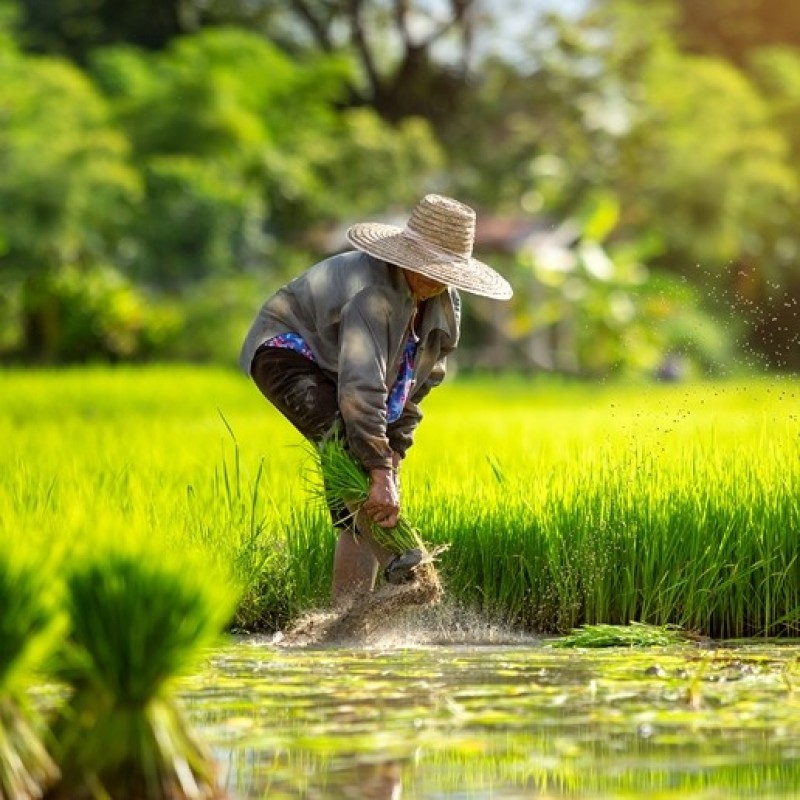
(354, 312)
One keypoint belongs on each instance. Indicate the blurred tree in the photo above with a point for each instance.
(376, 166)
(198, 162)
(413, 55)
(242, 148)
(549, 126)
(66, 187)
(74, 28)
(734, 28)
(220, 148)
(724, 175)
(685, 143)
(65, 181)
(94, 312)
(209, 124)
(599, 311)
(771, 297)
(776, 71)
(715, 169)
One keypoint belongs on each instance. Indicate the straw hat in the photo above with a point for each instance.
(436, 242)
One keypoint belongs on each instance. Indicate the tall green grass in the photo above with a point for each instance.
(562, 504)
(687, 533)
(29, 621)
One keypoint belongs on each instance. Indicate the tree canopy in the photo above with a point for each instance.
(153, 151)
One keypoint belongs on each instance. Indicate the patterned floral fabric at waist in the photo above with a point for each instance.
(291, 341)
(401, 388)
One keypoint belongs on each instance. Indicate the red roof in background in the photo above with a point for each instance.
(508, 234)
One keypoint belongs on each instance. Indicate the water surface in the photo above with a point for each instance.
(502, 721)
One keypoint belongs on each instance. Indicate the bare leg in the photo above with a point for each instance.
(354, 567)
(356, 562)
(383, 555)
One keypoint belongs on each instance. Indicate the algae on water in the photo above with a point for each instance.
(637, 634)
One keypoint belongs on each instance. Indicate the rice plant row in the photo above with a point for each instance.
(561, 505)
(111, 633)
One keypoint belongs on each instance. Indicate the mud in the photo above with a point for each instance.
(367, 617)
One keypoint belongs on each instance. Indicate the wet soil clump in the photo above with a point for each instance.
(367, 616)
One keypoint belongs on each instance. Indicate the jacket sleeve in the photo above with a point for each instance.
(362, 390)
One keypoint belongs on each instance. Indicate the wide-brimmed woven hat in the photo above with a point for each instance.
(436, 242)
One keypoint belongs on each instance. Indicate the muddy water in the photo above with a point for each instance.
(511, 720)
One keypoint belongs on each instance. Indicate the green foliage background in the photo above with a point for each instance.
(161, 173)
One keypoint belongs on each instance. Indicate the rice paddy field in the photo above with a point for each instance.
(173, 499)
(561, 504)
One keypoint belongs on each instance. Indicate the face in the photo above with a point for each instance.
(423, 288)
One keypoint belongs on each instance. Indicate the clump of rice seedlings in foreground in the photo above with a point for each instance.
(136, 623)
(637, 634)
(28, 623)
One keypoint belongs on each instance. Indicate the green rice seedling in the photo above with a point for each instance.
(137, 620)
(637, 634)
(307, 558)
(346, 485)
(28, 623)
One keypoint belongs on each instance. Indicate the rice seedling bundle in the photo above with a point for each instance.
(136, 622)
(346, 486)
(636, 634)
(28, 623)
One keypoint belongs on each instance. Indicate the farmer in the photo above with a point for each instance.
(355, 342)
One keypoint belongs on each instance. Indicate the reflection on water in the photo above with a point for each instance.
(502, 722)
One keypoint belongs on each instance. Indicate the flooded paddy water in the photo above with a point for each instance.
(501, 718)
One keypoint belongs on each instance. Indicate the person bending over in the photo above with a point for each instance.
(353, 344)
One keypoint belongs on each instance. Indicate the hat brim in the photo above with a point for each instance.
(390, 243)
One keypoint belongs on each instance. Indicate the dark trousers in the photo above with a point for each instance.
(305, 395)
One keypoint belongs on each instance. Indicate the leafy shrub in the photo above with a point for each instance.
(75, 314)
